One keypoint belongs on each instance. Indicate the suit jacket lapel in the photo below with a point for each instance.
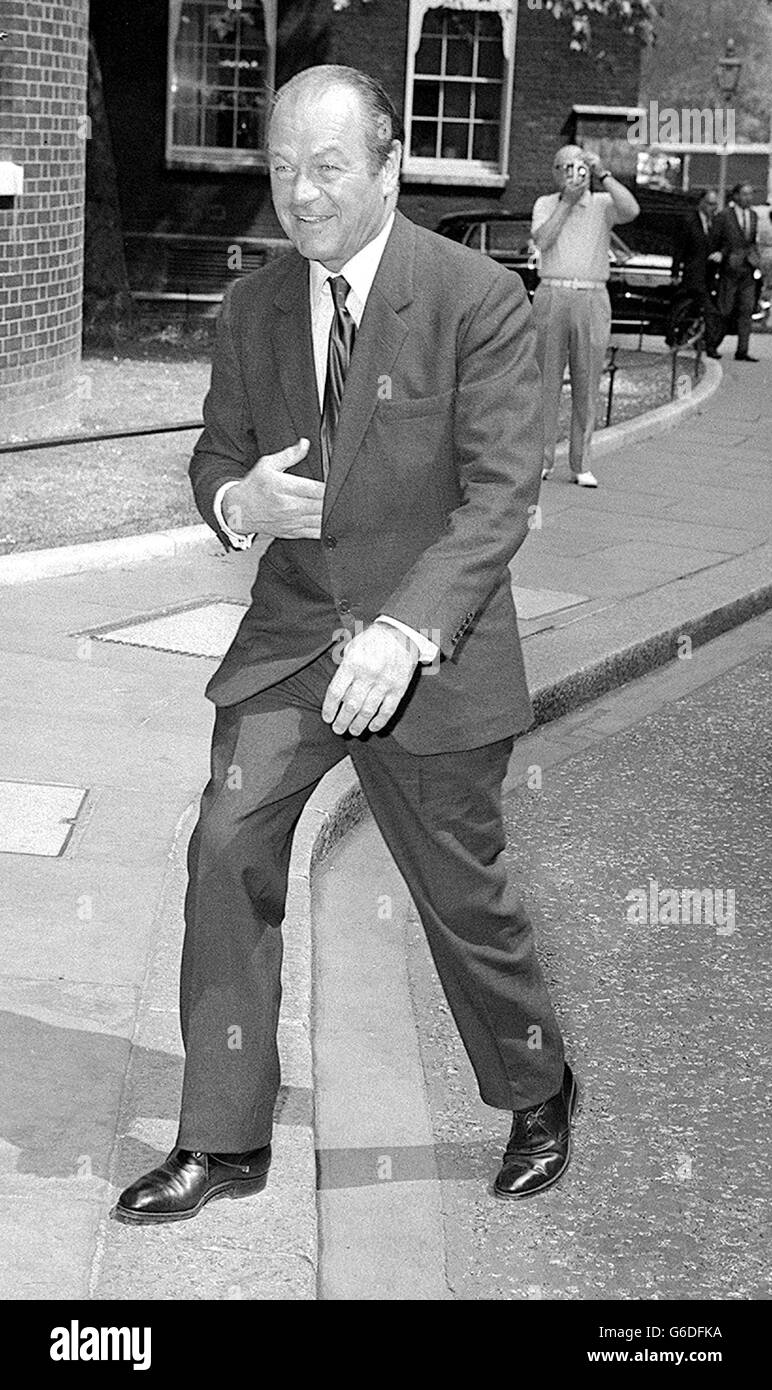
(378, 342)
(295, 352)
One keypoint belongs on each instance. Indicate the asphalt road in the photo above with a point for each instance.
(664, 783)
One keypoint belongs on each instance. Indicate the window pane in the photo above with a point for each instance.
(456, 99)
(186, 125)
(455, 137)
(509, 236)
(423, 139)
(489, 27)
(458, 58)
(487, 105)
(428, 57)
(486, 143)
(426, 98)
(490, 59)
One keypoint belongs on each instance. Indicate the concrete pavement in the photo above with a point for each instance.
(670, 549)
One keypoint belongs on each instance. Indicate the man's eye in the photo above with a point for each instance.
(329, 168)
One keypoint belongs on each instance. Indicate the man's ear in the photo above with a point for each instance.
(391, 168)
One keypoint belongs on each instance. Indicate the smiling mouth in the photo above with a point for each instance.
(313, 221)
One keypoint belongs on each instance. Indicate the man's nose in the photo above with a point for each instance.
(304, 190)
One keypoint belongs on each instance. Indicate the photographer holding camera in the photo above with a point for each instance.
(572, 231)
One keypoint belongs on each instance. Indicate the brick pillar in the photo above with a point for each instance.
(43, 127)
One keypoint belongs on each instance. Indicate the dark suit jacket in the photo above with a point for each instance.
(740, 255)
(436, 463)
(691, 253)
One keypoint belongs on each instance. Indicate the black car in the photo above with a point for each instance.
(640, 283)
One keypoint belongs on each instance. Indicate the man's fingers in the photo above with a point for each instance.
(287, 457)
(357, 709)
(292, 486)
(336, 690)
(382, 716)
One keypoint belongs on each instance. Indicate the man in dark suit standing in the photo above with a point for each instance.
(733, 244)
(374, 407)
(692, 265)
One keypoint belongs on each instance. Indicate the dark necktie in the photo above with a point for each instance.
(341, 345)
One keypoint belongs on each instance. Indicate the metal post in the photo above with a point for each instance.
(612, 371)
(722, 162)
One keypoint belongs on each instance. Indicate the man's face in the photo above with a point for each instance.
(709, 205)
(327, 197)
(571, 167)
(745, 195)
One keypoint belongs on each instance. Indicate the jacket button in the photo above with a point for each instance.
(344, 606)
(330, 542)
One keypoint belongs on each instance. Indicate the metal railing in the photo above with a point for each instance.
(59, 441)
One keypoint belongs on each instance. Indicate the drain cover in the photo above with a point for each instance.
(204, 629)
(37, 819)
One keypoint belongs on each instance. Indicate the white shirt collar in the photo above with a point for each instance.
(360, 271)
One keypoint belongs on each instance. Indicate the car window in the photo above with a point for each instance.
(509, 236)
(473, 237)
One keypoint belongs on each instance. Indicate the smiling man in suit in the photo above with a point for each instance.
(375, 408)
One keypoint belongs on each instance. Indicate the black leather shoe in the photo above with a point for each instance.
(539, 1148)
(189, 1178)
(744, 357)
(710, 352)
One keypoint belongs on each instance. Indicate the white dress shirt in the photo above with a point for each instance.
(360, 272)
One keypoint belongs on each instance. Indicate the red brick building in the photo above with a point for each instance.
(487, 87)
(43, 134)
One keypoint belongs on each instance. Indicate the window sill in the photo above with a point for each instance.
(433, 171)
(225, 162)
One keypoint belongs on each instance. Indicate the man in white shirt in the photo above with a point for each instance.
(733, 245)
(572, 231)
(374, 408)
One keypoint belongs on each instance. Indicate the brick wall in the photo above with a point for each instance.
(43, 64)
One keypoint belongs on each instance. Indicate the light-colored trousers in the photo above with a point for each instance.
(572, 326)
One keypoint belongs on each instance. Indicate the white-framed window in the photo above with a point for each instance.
(221, 60)
(458, 91)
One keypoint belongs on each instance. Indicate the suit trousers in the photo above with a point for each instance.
(691, 302)
(440, 815)
(737, 296)
(572, 326)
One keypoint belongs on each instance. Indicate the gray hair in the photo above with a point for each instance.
(383, 124)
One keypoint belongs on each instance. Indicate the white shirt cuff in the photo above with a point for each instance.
(241, 542)
(427, 651)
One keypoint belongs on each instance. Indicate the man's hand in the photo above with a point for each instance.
(274, 503)
(715, 256)
(572, 192)
(372, 678)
